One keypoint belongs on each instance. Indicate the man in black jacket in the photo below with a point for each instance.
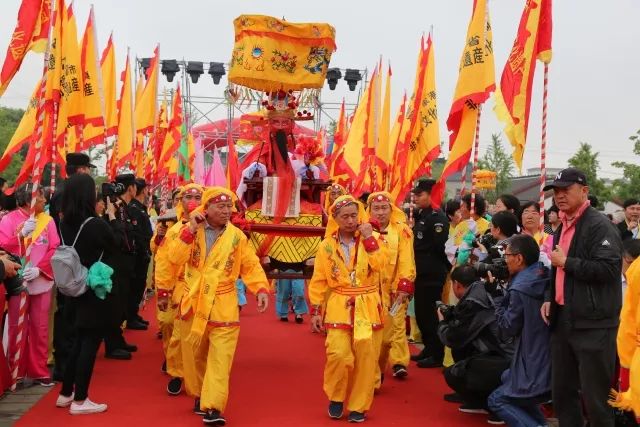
(629, 226)
(143, 234)
(430, 232)
(582, 304)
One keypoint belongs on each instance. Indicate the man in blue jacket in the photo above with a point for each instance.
(527, 382)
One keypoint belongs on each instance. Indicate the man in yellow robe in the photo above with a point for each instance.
(169, 278)
(346, 282)
(397, 279)
(215, 253)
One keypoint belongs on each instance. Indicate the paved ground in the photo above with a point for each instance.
(13, 405)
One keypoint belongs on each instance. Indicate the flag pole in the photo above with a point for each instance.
(474, 168)
(543, 147)
(36, 175)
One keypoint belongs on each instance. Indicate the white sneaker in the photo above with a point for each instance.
(87, 407)
(64, 401)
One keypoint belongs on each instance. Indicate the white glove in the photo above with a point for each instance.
(28, 227)
(30, 273)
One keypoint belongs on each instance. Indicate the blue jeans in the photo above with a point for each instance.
(290, 289)
(241, 291)
(516, 412)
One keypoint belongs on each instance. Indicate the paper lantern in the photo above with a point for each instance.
(485, 179)
(271, 54)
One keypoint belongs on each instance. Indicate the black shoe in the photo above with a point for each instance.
(335, 410)
(164, 367)
(356, 417)
(174, 387)
(422, 355)
(196, 408)
(131, 348)
(284, 319)
(299, 318)
(494, 419)
(136, 326)
(141, 320)
(469, 408)
(453, 398)
(429, 362)
(118, 354)
(399, 371)
(214, 417)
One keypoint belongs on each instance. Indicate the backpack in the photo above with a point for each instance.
(68, 272)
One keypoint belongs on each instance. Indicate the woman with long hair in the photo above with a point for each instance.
(96, 241)
(22, 232)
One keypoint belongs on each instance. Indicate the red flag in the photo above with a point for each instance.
(30, 24)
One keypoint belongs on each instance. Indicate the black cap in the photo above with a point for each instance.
(424, 185)
(126, 179)
(79, 160)
(140, 183)
(566, 178)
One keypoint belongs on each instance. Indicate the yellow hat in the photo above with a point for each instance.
(339, 203)
(184, 189)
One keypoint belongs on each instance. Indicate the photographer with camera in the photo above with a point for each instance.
(527, 382)
(470, 329)
(121, 193)
(143, 233)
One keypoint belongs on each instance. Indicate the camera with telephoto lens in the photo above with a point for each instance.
(112, 190)
(497, 267)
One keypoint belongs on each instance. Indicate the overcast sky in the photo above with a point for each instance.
(594, 79)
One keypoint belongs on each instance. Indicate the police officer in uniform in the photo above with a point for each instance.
(123, 269)
(431, 231)
(143, 234)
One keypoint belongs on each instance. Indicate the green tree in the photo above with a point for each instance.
(629, 186)
(9, 120)
(587, 161)
(497, 159)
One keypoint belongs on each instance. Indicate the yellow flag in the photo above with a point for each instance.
(54, 63)
(25, 130)
(422, 139)
(173, 137)
(145, 113)
(124, 144)
(476, 81)
(396, 169)
(383, 149)
(108, 69)
(93, 108)
(71, 81)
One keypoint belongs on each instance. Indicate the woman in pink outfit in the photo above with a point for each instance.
(18, 230)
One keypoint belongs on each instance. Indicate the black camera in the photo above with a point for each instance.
(486, 240)
(445, 309)
(13, 285)
(497, 267)
(112, 190)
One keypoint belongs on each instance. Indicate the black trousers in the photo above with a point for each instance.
(138, 285)
(123, 272)
(63, 335)
(476, 377)
(583, 365)
(425, 297)
(82, 358)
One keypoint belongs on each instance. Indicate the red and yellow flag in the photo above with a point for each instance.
(54, 63)
(361, 139)
(421, 142)
(339, 135)
(126, 132)
(92, 90)
(476, 81)
(396, 169)
(384, 151)
(108, 70)
(145, 113)
(24, 132)
(71, 79)
(174, 135)
(32, 29)
(513, 98)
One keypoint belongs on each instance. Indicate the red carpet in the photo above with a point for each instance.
(276, 381)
